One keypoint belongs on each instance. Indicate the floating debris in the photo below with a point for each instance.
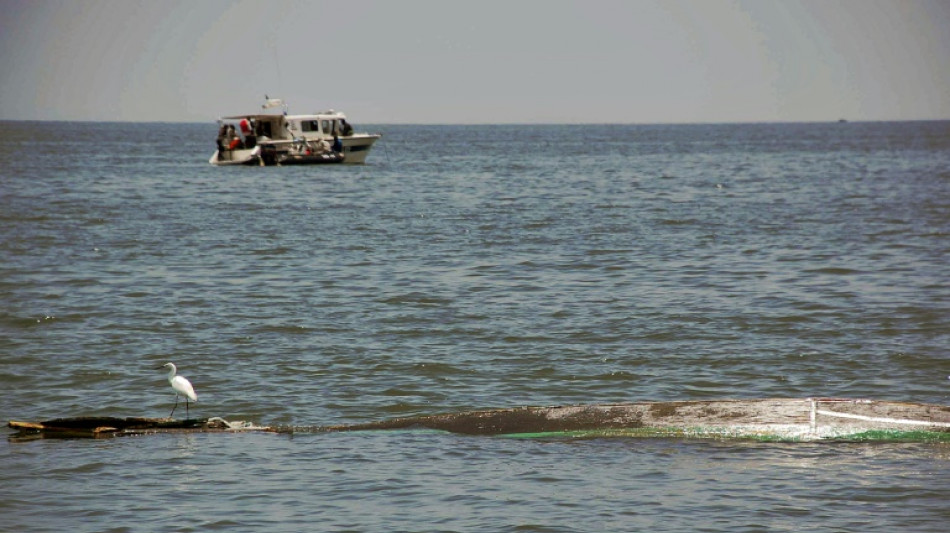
(96, 427)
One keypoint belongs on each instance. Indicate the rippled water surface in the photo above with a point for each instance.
(471, 267)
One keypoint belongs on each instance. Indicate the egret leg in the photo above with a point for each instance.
(186, 407)
(173, 408)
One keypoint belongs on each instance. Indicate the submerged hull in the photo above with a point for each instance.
(809, 419)
(783, 420)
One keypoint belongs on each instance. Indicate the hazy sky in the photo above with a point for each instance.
(477, 61)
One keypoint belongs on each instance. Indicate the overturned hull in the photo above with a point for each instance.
(785, 420)
(810, 419)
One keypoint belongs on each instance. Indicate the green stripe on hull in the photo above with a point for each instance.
(900, 436)
(738, 434)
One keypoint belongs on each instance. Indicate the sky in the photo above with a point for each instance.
(484, 61)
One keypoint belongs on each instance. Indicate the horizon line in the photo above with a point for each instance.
(545, 123)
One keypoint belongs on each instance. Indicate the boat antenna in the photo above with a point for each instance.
(274, 102)
(280, 81)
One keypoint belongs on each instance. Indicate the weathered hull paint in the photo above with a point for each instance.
(808, 419)
(784, 420)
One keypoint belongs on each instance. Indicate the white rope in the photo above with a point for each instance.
(811, 417)
(884, 419)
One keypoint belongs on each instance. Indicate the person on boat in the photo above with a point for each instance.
(247, 130)
(234, 141)
(320, 146)
(347, 129)
(337, 144)
(222, 136)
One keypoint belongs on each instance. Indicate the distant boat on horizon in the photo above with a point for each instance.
(278, 138)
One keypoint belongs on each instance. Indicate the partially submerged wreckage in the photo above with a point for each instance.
(785, 420)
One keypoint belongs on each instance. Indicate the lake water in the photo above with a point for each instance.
(471, 267)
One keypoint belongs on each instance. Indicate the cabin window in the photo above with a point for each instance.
(263, 129)
(326, 126)
(310, 125)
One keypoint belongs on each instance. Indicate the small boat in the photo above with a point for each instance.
(237, 157)
(268, 138)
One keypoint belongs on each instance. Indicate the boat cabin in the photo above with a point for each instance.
(318, 126)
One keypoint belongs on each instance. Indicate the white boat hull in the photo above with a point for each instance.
(281, 137)
(236, 157)
(355, 150)
(357, 147)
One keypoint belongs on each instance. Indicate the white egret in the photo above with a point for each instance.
(182, 387)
